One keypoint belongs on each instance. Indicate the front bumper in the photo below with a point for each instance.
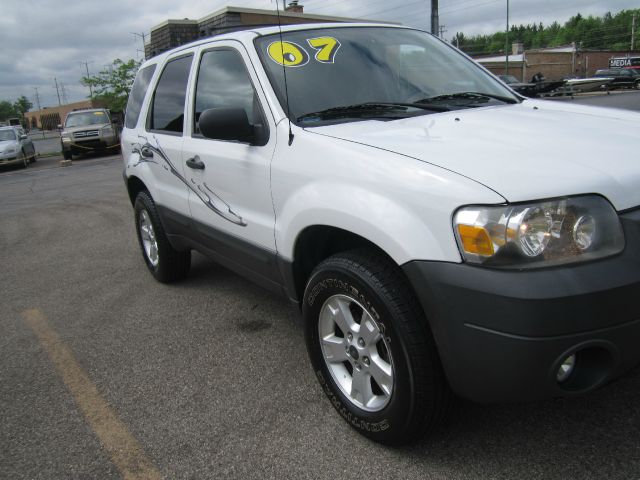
(9, 158)
(502, 334)
(83, 145)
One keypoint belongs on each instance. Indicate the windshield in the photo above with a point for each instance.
(358, 67)
(86, 118)
(7, 135)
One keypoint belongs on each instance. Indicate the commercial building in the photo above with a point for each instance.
(50, 118)
(554, 63)
(173, 33)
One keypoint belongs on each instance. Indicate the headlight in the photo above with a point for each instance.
(539, 234)
(106, 131)
(10, 150)
(65, 136)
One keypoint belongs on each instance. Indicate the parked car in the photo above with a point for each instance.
(622, 77)
(88, 130)
(436, 235)
(526, 89)
(16, 148)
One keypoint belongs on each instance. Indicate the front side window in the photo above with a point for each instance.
(136, 97)
(167, 111)
(349, 74)
(223, 82)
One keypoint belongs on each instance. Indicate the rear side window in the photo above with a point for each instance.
(223, 81)
(137, 94)
(167, 111)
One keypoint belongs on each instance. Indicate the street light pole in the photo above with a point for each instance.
(506, 43)
(435, 20)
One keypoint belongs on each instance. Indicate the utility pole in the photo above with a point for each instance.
(506, 44)
(435, 19)
(143, 36)
(442, 30)
(633, 31)
(64, 93)
(57, 90)
(86, 64)
(37, 98)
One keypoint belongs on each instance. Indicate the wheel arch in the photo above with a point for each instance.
(318, 242)
(134, 187)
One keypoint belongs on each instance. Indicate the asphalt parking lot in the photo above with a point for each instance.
(105, 373)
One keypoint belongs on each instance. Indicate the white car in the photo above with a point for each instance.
(16, 148)
(439, 233)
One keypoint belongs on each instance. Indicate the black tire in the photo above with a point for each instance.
(66, 154)
(420, 397)
(171, 264)
(24, 158)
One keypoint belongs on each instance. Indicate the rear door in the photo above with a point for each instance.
(163, 138)
(230, 198)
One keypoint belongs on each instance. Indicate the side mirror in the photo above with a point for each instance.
(59, 127)
(230, 124)
(23, 137)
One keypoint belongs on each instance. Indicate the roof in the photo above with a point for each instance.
(81, 110)
(561, 49)
(501, 59)
(231, 9)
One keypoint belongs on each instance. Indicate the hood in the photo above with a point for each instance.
(529, 151)
(4, 144)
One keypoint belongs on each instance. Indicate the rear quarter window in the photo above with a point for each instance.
(136, 97)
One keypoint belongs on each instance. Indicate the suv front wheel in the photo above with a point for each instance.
(371, 348)
(165, 263)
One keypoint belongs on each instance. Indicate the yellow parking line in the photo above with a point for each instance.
(126, 453)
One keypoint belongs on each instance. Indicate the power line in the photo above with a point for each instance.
(143, 37)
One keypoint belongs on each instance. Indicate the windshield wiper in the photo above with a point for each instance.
(478, 96)
(369, 109)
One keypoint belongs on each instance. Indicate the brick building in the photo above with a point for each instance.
(173, 33)
(554, 63)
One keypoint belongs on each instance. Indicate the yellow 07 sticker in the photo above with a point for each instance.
(288, 54)
(326, 47)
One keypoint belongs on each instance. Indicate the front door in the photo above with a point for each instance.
(230, 188)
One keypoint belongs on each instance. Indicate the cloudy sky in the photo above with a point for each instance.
(47, 39)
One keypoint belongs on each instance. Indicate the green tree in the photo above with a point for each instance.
(7, 110)
(22, 105)
(112, 86)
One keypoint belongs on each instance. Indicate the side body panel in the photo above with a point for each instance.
(402, 205)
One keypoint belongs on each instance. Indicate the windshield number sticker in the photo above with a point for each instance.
(289, 54)
(98, 113)
(326, 47)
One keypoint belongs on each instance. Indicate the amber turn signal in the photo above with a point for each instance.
(475, 240)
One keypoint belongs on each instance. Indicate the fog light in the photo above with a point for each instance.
(566, 369)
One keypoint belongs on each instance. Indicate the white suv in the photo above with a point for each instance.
(438, 232)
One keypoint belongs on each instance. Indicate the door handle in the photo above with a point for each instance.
(195, 163)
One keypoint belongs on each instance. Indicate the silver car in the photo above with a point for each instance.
(16, 148)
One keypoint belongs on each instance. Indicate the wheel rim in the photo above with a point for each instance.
(148, 236)
(356, 353)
